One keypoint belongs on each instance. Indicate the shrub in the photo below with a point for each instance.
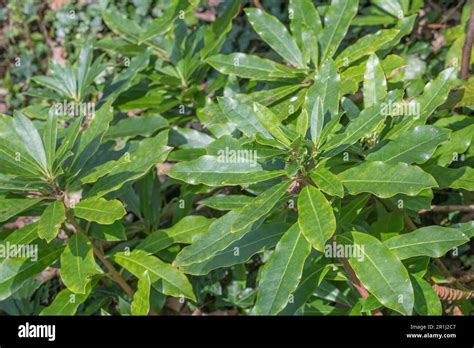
(299, 191)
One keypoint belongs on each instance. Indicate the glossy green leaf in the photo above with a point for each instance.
(51, 219)
(327, 182)
(50, 134)
(67, 302)
(31, 138)
(91, 137)
(138, 125)
(226, 202)
(316, 219)
(381, 272)
(416, 145)
(24, 235)
(185, 231)
(392, 7)
(250, 67)
(141, 299)
(240, 251)
(367, 45)
(363, 125)
(243, 116)
(271, 123)
(311, 279)
(110, 233)
(386, 180)
(260, 206)
(132, 166)
(375, 84)
(433, 241)
(426, 300)
(213, 171)
(99, 210)
(282, 273)
(336, 23)
(273, 32)
(215, 37)
(305, 26)
(9, 207)
(218, 238)
(455, 178)
(138, 261)
(77, 263)
(15, 271)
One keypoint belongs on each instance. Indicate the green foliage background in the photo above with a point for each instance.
(135, 211)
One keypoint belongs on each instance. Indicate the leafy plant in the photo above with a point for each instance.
(290, 179)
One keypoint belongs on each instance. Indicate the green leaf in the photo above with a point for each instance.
(260, 206)
(110, 233)
(15, 271)
(132, 166)
(416, 145)
(77, 263)
(305, 26)
(119, 24)
(24, 235)
(336, 23)
(434, 94)
(226, 202)
(122, 81)
(350, 211)
(433, 241)
(281, 274)
(131, 127)
(363, 125)
(456, 178)
(386, 180)
(10, 207)
(50, 134)
(31, 138)
(51, 219)
(141, 298)
(367, 45)
(68, 141)
(217, 34)
(99, 210)
(215, 171)
(185, 231)
(426, 300)
(243, 116)
(375, 84)
(67, 302)
(326, 89)
(275, 35)
(14, 158)
(138, 261)
(311, 279)
(467, 228)
(327, 182)
(380, 271)
(250, 67)
(91, 138)
(241, 250)
(392, 7)
(271, 123)
(218, 238)
(316, 219)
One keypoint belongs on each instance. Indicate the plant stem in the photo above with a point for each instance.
(467, 48)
